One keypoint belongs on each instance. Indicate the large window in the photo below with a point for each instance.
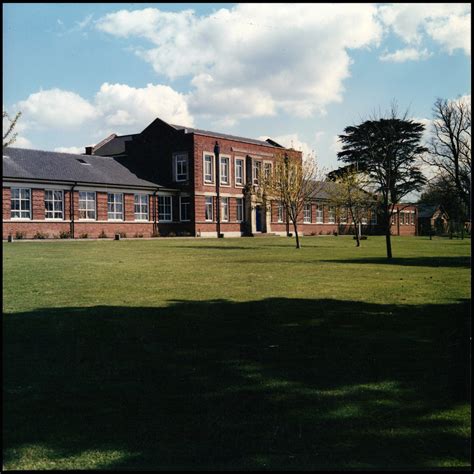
(165, 213)
(20, 203)
(412, 218)
(373, 218)
(115, 206)
(307, 213)
(208, 168)
(141, 207)
(319, 215)
(280, 212)
(181, 166)
(225, 208)
(343, 215)
(224, 173)
(209, 208)
(86, 205)
(402, 218)
(184, 204)
(239, 172)
(331, 215)
(240, 209)
(257, 167)
(53, 204)
(267, 169)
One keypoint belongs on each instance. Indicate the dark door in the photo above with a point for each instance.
(258, 219)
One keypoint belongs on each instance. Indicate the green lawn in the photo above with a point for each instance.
(236, 354)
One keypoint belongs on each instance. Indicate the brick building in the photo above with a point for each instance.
(162, 181)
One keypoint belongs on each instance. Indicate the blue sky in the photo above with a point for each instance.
(296, 73)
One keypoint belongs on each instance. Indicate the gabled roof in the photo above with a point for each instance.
(113, 145)
(26, 164)
(427, 210)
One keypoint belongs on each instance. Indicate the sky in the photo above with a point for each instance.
(298, 73)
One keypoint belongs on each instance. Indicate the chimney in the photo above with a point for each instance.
(89, 150)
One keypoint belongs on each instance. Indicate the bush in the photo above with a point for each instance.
(64, 234)
(102, 235)
(40, 235)
(19, 235)
(138, 236)
(85, 235)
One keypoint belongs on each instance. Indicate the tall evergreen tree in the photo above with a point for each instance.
(387, 150)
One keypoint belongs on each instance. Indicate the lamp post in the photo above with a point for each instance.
(217, 150)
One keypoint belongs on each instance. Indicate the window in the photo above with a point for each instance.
(331, 215)
(412, 216)
(257, 166)
(343, 215)
(208, 168)
(280, 212)
(393, 218)
(141, 207)
(165, 213)
(181, 166)
(115, 206)
(402, 218)
(20, 203)
(239, 172)
(319, 215)
(53, 204)
(209, 209)
(240, 209)
(225, 208)
(86, 205)
(224, 173)
(373, 218)
(267, 169)
(184, 204)
(364, 219)
(307, 213)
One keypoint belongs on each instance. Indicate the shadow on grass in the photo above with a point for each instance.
(271, 384)
(456, 262)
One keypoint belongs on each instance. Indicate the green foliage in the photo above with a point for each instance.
(40, 235)
(64, 234)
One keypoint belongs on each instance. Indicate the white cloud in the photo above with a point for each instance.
(22, 142)
(260, 58)
(77, 150)
(407, 54)
(446, 23)
(292, 140)
(336, 145)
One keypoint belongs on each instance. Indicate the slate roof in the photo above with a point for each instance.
(225, 136)
(24, 163)
(425, 210)
(113, 145)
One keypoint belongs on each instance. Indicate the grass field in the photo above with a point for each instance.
(236, 354)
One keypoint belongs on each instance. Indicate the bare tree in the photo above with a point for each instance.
(293, 182)
(450, 146)
(8, 136)
(349, 194)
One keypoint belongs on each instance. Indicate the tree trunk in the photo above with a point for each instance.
(388, 243)
(357, 236)
(296, 236)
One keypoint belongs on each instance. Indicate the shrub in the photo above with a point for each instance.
(102, 235)
(19, 235)
(64, 234)
(40, 235)
(138, 236)
(85, 235)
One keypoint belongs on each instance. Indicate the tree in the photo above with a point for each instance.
(349, 194)
(387, 150)
(8, 136)
(450, 146)
(293, 183)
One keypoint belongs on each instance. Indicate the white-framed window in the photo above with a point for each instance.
(343, 215)
(307, 213)
(184, 206)
(331, 215)
(141, 207)
(280, 212)
(240, 209)
(181, 166)
(393, 218)
(319, 215)
(165, 209)
(209, 208)
(412, 217)
(239, 172)
(115, 206)
(257, 167)
(53, 204)
(208, 168)
(267, 170)
(87, 205)
(373, 218)
(225, 209)
(364, 218)
(224, 170)
(20, 203)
